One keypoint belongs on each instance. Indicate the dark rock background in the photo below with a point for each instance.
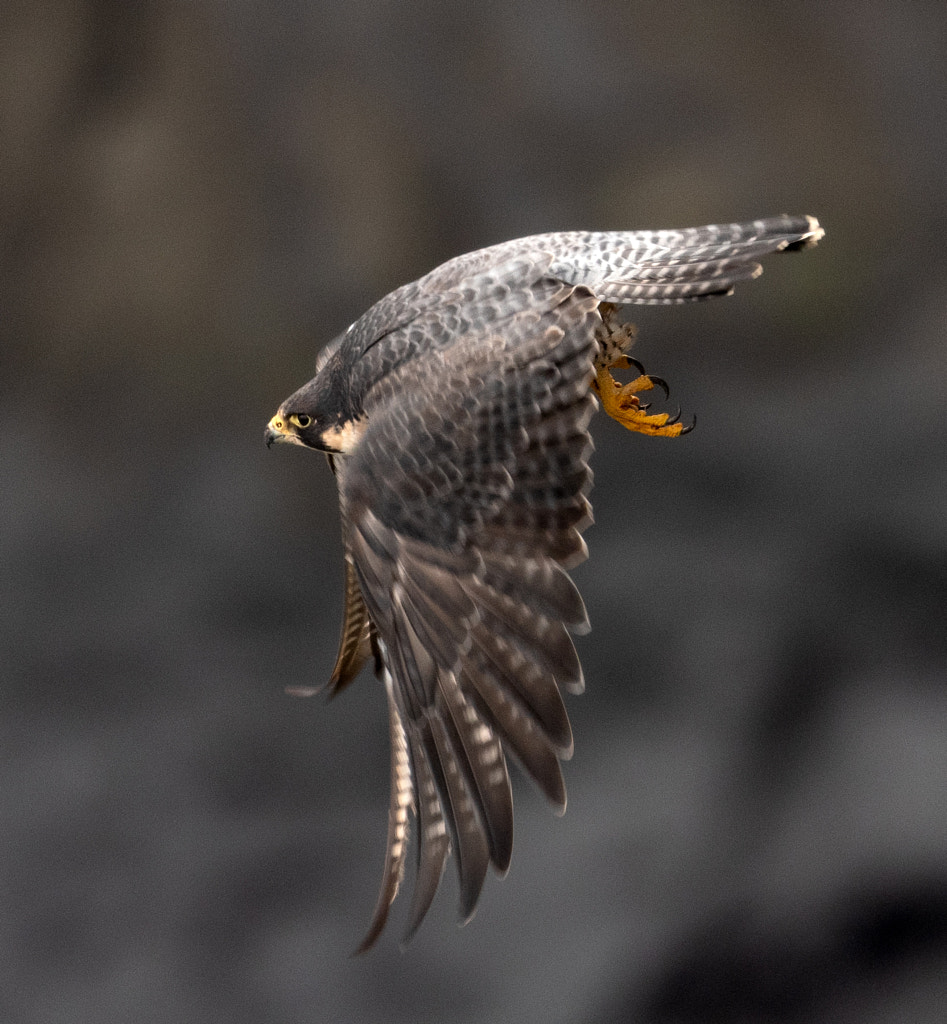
(194, 197)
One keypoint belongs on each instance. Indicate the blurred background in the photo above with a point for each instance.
(195, 196)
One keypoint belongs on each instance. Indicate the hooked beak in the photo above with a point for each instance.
(277, 430)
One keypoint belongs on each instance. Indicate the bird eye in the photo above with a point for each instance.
(300, 420)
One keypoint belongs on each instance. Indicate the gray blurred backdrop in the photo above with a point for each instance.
(195, 195)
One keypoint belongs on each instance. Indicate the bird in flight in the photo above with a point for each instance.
(455, 417)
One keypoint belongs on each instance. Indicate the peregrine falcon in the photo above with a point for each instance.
(455, 417)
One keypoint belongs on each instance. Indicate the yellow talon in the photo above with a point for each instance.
(621, 403)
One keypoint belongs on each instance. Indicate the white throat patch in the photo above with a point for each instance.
(345, 438)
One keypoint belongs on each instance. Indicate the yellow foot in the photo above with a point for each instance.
(621, 403)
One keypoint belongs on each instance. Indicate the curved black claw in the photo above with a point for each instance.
(661, 383)
(674, 418)
(689, 427)
(636, 365)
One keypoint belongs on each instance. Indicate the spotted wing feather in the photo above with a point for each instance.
(661, 267)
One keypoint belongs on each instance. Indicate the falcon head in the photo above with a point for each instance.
(303, 419)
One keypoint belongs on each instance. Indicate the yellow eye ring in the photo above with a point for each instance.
(300, 420)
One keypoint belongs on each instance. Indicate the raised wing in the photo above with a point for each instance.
(463, 501)
(640, 267)
(664, 267)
